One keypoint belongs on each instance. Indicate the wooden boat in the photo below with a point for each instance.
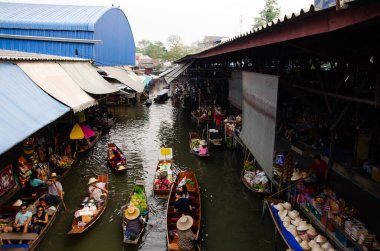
(165, 163)
(214, 137)
(33, 238)
(197, 117)
(83, 221)
(119, 162)
(258, 192)
(145, 214)
(162, 96)
(194, 140)
(172, 216)
(88, 145)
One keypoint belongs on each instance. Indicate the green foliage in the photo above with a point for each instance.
(268, 14)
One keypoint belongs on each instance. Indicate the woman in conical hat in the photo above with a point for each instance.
(185, 235)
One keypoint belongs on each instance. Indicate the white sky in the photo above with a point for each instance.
(155, 20)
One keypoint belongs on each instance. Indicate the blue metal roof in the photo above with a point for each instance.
(24, 107)
(50, 17)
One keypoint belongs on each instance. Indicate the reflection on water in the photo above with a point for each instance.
(231, 215)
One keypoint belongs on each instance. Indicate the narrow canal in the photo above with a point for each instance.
(231, 215)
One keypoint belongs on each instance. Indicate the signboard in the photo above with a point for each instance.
(7, 181)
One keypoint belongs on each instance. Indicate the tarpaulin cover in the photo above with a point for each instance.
(54, 80)
(235, 89)
(86, 76)
(259, 117)
(24, 107)
(129, 78)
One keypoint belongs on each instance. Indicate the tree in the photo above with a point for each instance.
(176, 48)
(270, 12)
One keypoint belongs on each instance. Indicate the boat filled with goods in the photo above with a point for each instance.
(255, 179)
(164, 176)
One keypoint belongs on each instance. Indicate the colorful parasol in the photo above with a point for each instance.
(81, 131)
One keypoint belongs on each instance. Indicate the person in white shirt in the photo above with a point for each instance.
(96, 189)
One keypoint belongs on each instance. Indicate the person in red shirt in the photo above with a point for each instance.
(319, 169)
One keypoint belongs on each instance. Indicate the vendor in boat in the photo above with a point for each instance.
(186, 237)
(39, 220)
(55, 190)
(35, 182)
(134, 222)
(162, 181)
(203, 150)
(182, 205)
(96, 189)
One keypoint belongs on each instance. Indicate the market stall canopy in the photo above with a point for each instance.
(129, 78)
(86, 76)
(24, 107)
(163, 74)
(81, 131)
(169, 77)
(55, 81)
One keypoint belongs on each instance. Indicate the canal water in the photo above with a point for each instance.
(231, 214)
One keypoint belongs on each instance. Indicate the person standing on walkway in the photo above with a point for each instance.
(319, 170)
(55, 191)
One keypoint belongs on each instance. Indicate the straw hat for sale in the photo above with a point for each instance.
(131, 213)
(294, 232)
(316, 247)
(296, 221)
(312, 243)
(305, 245)
(92, 180)
(278, 206)
(320, 239)
(312, 233)
(293, 214)
(287, 206)
(286, 224)
(296, 175)
(282, 213)
(286, 219)
(298, 239)
(302, 227)
(185, 222)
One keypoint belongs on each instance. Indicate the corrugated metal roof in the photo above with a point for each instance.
(6, 55)
(51, 17)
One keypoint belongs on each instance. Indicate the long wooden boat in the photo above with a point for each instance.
(172, 217)
(33, 238)
(139, 186)
(165, 163)
(194, 140)
(118, 165)
(162, 96)
(85, 147)
(83, 221)
(258, 192)
(198, 118)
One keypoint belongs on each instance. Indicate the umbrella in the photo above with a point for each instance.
(81, 131)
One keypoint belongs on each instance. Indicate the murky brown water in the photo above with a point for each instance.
(231, 214)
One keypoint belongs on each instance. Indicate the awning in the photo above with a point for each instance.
(129, 78)
(55, 81)
(163, 74)
(86, 76)
(24, 107)
(177, 71)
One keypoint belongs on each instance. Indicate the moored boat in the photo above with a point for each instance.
(172, 216)
(255, 179)
(197, 145)
(87, 144)
(32, 239)
(162, 96)
(138, 199)
(90, 210)
(164, 173)
(148, 102)
(115, 158)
